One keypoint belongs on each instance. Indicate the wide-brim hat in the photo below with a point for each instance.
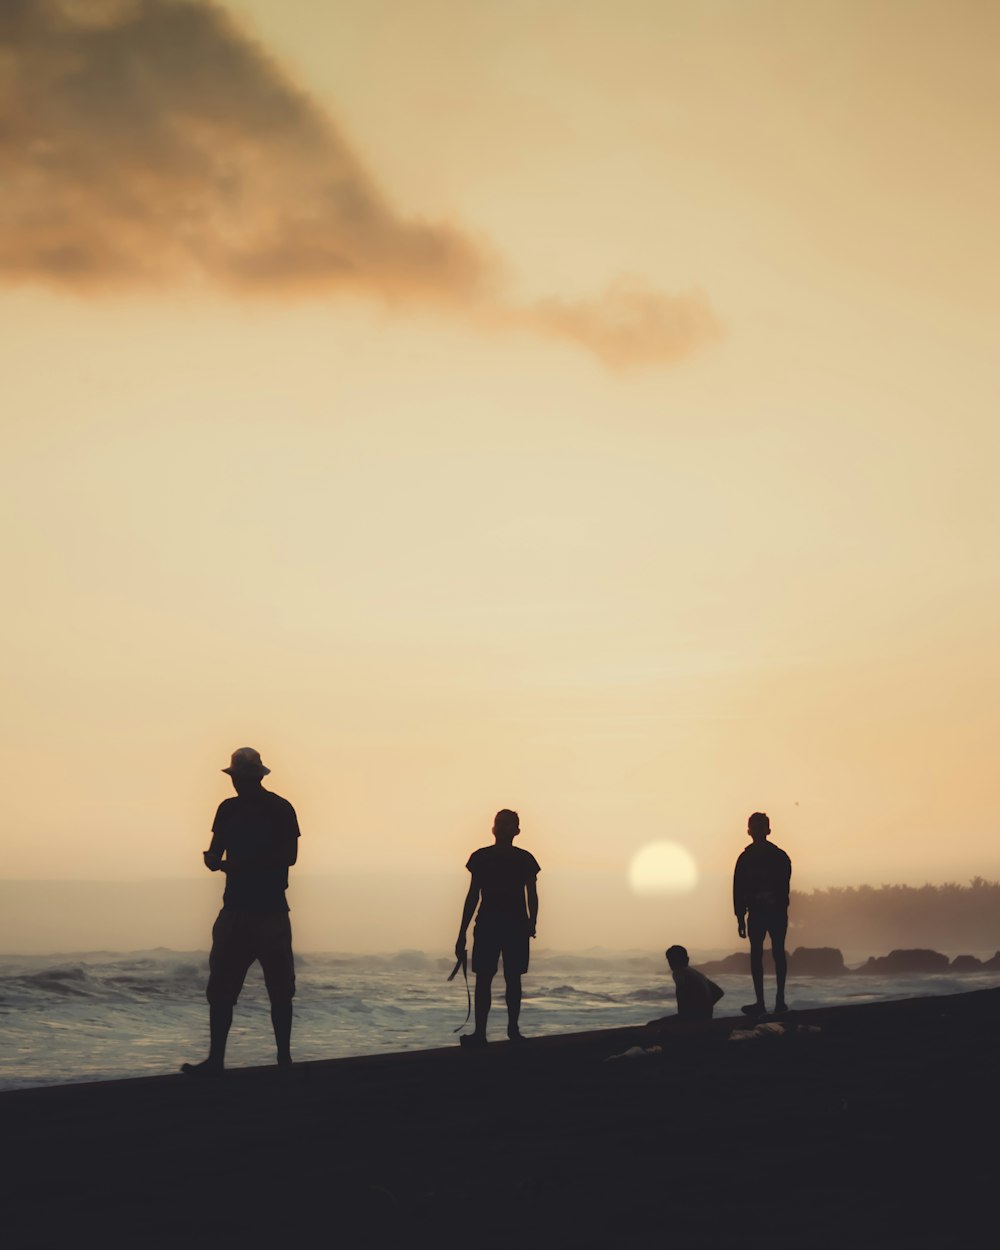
(246, 760)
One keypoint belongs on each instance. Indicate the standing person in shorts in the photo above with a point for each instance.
(254, 842)
(503, 886)
(761, 884)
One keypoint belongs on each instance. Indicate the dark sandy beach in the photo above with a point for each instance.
(879, 1130)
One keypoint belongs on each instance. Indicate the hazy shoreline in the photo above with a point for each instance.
(375, 911)
(709, 957)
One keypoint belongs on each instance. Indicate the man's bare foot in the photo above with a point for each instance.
(472, 1040)
(284, 1061)
(780, 1007)
(754, 1009)
(208, 1068)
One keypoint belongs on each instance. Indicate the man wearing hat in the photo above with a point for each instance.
(254, 842)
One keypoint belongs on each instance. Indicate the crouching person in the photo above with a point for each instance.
(696, 994)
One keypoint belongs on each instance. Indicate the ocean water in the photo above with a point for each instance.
(103, 1015)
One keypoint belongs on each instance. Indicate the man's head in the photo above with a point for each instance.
(758, 826)
(506, 826)
(246, 770)
(677, 958)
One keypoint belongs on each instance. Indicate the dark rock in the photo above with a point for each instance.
(903, 962)
(816, 961)
(805, 961)
(966, 963)
(738, 963)
(992, 964)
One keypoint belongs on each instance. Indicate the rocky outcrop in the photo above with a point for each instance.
(907, 962)
(734, 964)
(828, 961)
(816, 961)
(805, 961)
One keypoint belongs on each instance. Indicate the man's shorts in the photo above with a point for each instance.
(762, 921)
(241, 937)
(499, 934)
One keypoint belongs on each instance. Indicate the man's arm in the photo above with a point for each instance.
(213, 856)
(287, 848)
(290, 837)
(471, 901)
(739, 900)
(532, 889)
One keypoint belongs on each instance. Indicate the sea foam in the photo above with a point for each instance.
(101, 1015)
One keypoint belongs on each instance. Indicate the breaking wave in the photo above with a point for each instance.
(105, 1014)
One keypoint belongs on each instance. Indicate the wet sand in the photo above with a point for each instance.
(879, 1130)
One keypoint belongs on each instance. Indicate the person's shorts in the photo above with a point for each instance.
(241, 937)
(762, 921)
(500, 935)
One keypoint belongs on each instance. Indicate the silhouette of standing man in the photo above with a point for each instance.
(254, 842)
(503, 878)
(760, 897)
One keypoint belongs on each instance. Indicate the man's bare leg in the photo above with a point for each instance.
(484, 1000)
(220, 1019)
(281, 1022)
(757, 973)
(513, 997)
(780, 972)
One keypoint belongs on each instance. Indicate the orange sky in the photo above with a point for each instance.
(586, 408)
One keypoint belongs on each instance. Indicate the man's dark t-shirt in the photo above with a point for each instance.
(258, 833)
(761, 880)
(503, 872)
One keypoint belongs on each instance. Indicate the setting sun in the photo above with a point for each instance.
(662, 868)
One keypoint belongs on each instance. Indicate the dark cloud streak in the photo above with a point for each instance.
(150, 142)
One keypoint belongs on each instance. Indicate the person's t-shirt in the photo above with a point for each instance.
(762, 877)
(503, 872)
(696, 994)
(258, 832)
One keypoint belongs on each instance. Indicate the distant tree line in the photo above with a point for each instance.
(951, 918)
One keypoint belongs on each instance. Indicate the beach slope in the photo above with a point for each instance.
(869, 1125)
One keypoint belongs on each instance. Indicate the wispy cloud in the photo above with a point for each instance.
(148, 143)
(628, 324)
